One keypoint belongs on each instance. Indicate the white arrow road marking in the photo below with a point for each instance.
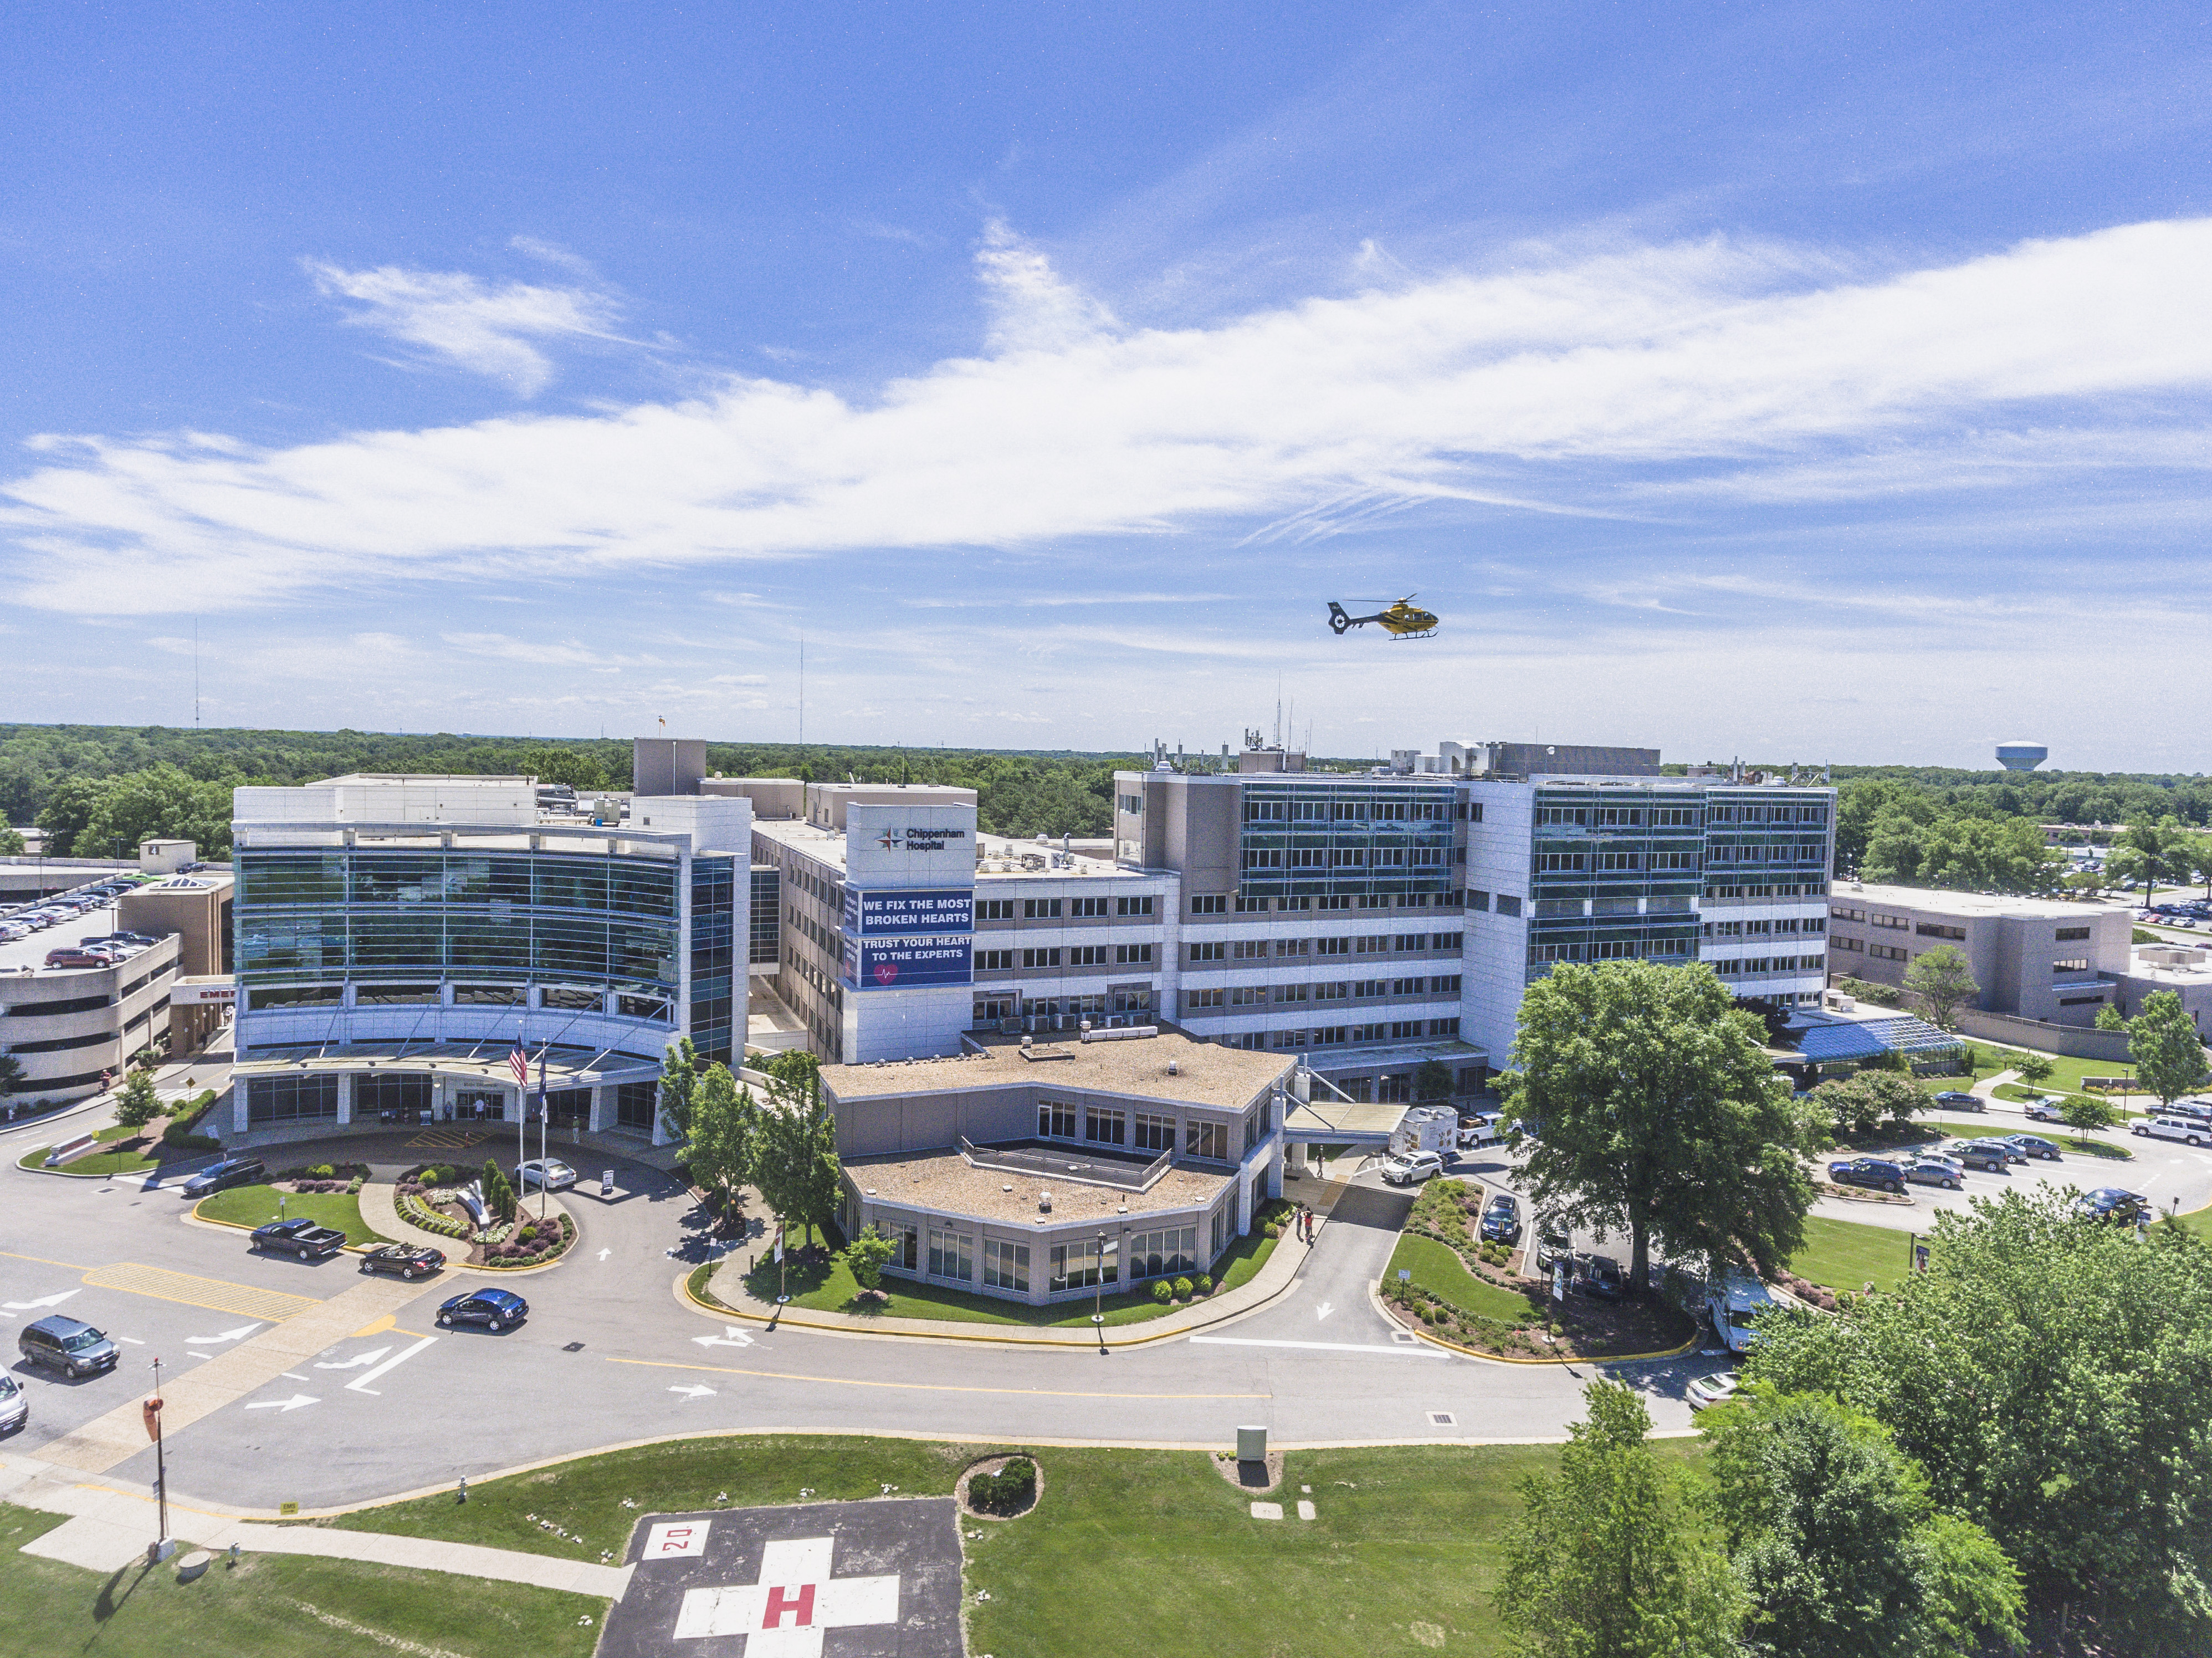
(360, 1383)
(286, 1405)
(227, 1335)
(1323, 1310)
(731, 1336)
(603, 1253)
(368, 1357)
(133, 1340)
(695, 1391)
(42, 1301)
(1320, 1346)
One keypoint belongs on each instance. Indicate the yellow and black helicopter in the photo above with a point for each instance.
(1403, 620)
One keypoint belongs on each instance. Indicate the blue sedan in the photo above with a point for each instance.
(496, 1309)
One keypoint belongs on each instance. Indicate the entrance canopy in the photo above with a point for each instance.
(565, 1067)
(1332, 1121)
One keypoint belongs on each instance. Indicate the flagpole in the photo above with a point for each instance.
(545, 1127)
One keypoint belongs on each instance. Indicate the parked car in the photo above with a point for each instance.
(2172, 1128)
(496, 1309)
(1734, 1306)
(1709, 1390)
(1934, 1171)
(2034, 1146)
(549, 1172)
(1553, 1244)
(14, 1406)
(68, 1345)
(76, 958)
(1501, 1220)
(1957, 1099)
(409, 1261)
(219, 1176)
(1993, 1156)
(1878, 1172)
(2112, 1202)
(301, 1237)
(2047, 1110)
(1407, 1167)
(1601, 1277)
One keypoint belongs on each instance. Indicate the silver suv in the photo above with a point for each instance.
(68, 1345)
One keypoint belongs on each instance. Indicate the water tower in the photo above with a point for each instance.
(2022, 757)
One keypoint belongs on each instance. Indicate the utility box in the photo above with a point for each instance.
(1251, 1444)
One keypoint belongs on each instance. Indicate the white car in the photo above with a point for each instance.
(2173, 1129)
(1405, 1169)
(1713, 1389)
(551, 1173)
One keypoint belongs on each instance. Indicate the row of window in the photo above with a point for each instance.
(1804, 851)
(1548, 863)
(1146, 1131)
(1768, 814)
(1380, 944)
(1618, 816)
(1220, 904)
(1347, 857)
(428, 941)
(1333, 990)
(1344, 1035)
(1609, 950)
(625, 884)
(1751, 964)
(1348, 811)
(1005, 961)
(1755, 929)
(1800, 890)
(1053, 909)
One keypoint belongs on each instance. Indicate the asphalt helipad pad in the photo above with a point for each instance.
(826, 1580)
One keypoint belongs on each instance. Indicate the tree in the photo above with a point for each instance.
(2110, 1018)
(1659, 1115)
(11, 842)
(679, 1082)
(1858, 1103)
(11, 1075)
(1834, 1534)
(68, 806)
(1433, 1080)
(1610, 1558)
(865, 1256)
(159, 802)
(1943, 979)
(138, 1104)
(2162, 1040)
(2086, 1111)
(2053, 1377)
(2034, 1069)
(578, 768)
(796, 1162)
(725, 1121)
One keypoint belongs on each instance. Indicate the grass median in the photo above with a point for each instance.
(274, 1606)
(2079, 1144)
(1848, 1255)
(121, 1151)
(1128, 1551)
(256, 1206)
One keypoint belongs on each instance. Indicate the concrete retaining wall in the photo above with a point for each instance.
(2080, 1042)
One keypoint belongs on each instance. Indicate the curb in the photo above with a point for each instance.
(1086, 1344)
(1376, 1301)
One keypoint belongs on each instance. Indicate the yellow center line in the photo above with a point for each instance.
(75, 1267)
(918, 1387)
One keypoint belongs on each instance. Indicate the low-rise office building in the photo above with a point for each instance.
(1048, 1169)
(2047, 959)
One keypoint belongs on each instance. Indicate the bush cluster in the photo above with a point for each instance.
(1010, 1491)
(533, 1243)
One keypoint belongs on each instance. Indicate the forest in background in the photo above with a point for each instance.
(101, 789)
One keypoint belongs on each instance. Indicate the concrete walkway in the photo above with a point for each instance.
(110, 1526)
(1279, 1272)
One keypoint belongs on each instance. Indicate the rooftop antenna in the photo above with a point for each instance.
(802, 690)
(196, 673)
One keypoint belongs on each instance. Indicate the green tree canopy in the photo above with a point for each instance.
(1833, 1532)
(137, 1104)
(724, 1128)
(2110, 1018)
(2054, 1378)
(1610, 1558)
(2034, 1069)
(1943, 979)
(679, 1084)
(1660, 1117)
(2162, 1040)
(1858, 1102)
(866, 1255)
(795, 1159)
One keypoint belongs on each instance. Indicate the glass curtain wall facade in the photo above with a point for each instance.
(1316, 840)
(1614, 875)
(713, 954)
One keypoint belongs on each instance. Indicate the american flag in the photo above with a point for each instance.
(519, 1062)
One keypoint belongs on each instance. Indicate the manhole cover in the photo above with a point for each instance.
(573, 1347)
(1443, 1420)
(1405, 1336)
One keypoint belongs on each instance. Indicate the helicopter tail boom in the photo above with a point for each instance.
(1339, 620)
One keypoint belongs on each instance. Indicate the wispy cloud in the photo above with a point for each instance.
(452, 316)
(1586, 385)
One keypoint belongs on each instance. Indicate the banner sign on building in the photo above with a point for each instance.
(882, 914)
(909, 962)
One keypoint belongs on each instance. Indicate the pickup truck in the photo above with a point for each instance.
(303, 1238)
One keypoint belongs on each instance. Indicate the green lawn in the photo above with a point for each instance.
(255, 1205)
(274, 1606)
(103, 1162)
(1438, 1270)
(1848, 1254)
(2057, 1133)
(830, 1289)
(2066, 1070)
(1127, 1552)
(2198, 1221)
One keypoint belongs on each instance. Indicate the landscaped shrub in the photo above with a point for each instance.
(1272, 1231)
(1010, 1491)
(320, 1171)
(1182, 1289)
(1161, 1293)
(1205, 1285)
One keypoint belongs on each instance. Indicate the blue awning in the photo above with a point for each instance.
(1823, 1044)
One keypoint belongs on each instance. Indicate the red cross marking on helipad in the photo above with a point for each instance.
(784, 1614)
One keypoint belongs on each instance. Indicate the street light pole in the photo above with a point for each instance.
(1098, 1295)
(161, 1465)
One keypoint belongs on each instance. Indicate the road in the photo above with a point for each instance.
(609, 1354)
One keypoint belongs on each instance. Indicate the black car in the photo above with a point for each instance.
(2033, 1146)
(2113, 1203)
(493, 1309)
(1602, 1278)
(407, 1259)
(1959, 1099)
(1501, 1220)
(302, 1238)
(1878, 1172)
(231, 1171)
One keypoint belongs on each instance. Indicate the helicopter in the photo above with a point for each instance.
(1403, 620)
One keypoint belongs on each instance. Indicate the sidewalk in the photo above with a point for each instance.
(111, 1524)
(1277, 1276)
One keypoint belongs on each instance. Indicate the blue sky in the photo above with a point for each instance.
(1809, 382)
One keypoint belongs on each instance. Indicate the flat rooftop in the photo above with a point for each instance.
(1206, 1073)
(19, 955)
(1971, 905)
(944, 1179)
(996, 855)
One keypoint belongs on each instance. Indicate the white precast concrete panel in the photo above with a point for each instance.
(715, 823)
(910, 845)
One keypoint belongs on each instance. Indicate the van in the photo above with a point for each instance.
(1734, 1305)
(68, 1345)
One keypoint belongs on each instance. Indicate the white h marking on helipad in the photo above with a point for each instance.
(783, 1615)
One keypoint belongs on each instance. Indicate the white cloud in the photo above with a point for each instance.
(1598, 384)
(485, 330)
